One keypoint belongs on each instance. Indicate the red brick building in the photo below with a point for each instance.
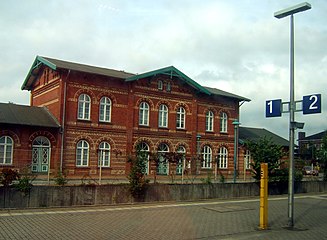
(104, 114)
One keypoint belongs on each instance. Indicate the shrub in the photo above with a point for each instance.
(7, 176)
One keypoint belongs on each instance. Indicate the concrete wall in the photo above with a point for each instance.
(56, 196)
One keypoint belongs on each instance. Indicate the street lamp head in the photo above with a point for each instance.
(292, 10)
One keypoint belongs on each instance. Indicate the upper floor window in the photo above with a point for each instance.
(6, 150)
(223, 122)
(207, 157)
(222, 157)
(180, 118)
(160, 85)
(82, 154)
(247, 159)
(162, 167)
(163, 116)
(105, 110)
(209, 121)
(104, 154)
(144, 114)
(84, 107)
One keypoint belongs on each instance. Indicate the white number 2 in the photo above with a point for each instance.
(314, 100)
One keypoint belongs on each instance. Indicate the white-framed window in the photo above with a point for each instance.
(223, 122)
(247, 159)
(105, 110)
(163, 166)
(104, 154)
(160, 85)
(82, 154)
(144, 114)
(207, 157)
(6, 150)
(223, 157)
(144, 147)
(209, 121)
(84, 107)
(168, 87)
(180, 118)
(163, 116)
(181, 163)
(41, 152)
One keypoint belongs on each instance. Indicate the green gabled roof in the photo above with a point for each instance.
(173, 72)
(34, 71)
(60, 64)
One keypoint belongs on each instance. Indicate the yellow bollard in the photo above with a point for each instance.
(264, 197)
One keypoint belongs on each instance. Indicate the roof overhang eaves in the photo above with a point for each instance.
(170, 71)
(39, 61)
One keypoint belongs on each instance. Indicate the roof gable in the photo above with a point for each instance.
(26, 115)
(173, 72)
(55, 64)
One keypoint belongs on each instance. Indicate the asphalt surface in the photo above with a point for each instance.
(214, 219)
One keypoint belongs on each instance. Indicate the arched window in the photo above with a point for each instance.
(105, 110)
(84, 107)
(223, 157)
(104, 154)
(143, 147)
(82, 154)
(163, 163)
(6, 150)
(144, 114)
(181, 163)
(40, 154)
(163, 115)
(207, 157)
(209, 121)
(180, 118)
(247, 159)
(223, 122)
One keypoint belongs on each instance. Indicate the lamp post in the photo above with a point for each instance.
(281, 14)
(236, 123)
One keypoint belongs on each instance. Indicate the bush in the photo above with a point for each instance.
(7, 176)
(61, 178)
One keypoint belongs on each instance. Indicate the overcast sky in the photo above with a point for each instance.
(236, 46)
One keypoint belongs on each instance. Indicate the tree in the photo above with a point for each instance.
(265, 151)
(322, 154)
(137, 181)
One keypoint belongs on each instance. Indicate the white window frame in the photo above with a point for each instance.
(223, 158)
(180, 118)
(6, 148)
(160, 85)
(144, 147)
(105, 109)
(223, 122)
(207, 157)
(82, 153)
(163, 116)
(247, 159)
(144, 114)
(163, 165)
(180, 166)
(209, 121)
(84, 107)
(104, 154)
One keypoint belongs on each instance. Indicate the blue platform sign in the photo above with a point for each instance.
(312, 104)
(274, 108)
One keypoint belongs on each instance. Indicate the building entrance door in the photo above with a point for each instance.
(41, 154)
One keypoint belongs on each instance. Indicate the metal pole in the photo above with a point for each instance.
(291, 131)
